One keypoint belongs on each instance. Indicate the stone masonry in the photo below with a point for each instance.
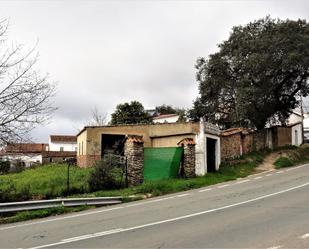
(188, 145)
(134, 152)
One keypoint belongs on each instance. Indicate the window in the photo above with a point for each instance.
(61, 148)
(82, 148)
(75, 148)
(296, 137)
(79, 149)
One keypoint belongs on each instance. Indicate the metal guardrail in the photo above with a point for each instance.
(65, 202)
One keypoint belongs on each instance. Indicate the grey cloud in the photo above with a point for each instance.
(103, 53)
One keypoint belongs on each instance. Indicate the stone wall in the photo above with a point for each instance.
(231, 146)
(238, 141)
(259, 140)
(134, 152)
(188, 163)
(247, 143)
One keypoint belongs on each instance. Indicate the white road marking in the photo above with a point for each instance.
(61, 218)
(204, 190)
(259, 177)
(223, 186)
(274, 247)
(269, 174)
(152, 201)
(243, 181)
(112, 209)
(120, 230)
(88, 236)
(182, 195)
(304, 236)
(279, 172)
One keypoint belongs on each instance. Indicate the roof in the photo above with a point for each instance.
(59, 154)
(63, 138)
(135, 138)
(186, 141)
(125, 125)
(165, 116)
(25, 148)
(235, 130)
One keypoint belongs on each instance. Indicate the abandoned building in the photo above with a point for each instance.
(160, 151)
(96, 141)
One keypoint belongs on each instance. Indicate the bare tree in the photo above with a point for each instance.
(25, 96)
(97, 118)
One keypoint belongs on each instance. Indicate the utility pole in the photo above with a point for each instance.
(302, 118)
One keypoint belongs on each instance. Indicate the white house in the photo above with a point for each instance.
(166, 118)
(62, 143)
(297, 134)
(23, 153)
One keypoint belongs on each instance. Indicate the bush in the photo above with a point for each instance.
(4, 167)
(283, 162)
(18, 166)
(105, 177)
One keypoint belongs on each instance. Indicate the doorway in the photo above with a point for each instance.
(211, 154)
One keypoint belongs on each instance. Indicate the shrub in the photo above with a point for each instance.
(105, 176)
(283, 162)
(18, 166)
(4, 167)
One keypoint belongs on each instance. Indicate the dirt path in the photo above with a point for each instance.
(268, 162)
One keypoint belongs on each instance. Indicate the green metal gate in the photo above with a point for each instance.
(162, 163)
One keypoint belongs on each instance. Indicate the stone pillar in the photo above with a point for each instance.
(134, 152)
(188, 145)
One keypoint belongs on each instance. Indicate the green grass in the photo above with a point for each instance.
(283, 162)
(27, 215)
(50, 181)
(294, 156)
(43, 182)
(161, 187)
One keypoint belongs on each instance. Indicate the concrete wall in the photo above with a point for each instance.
(169, 141)
(156, 135)
(297, 138)
(201, 150)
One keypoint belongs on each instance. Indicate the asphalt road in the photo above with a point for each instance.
(268, 210)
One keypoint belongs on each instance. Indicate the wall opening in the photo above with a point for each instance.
(211, 154)
(296, 137)
(112, 144)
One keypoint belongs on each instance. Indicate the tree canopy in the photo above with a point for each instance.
(257, 76)
(168, 109)
(130, 113)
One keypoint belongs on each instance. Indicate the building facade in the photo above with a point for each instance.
(93, 141)
(62, 143)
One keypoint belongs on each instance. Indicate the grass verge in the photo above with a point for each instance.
(293, 156)
(28, 215)
(230, 170)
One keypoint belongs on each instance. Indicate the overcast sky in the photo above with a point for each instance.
(102, 53)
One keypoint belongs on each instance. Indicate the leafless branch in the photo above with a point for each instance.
(25, 96)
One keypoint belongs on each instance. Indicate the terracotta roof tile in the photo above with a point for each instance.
(25, 148)
(135, 138)
(186, 141)
(235, 130)
(63, 138)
